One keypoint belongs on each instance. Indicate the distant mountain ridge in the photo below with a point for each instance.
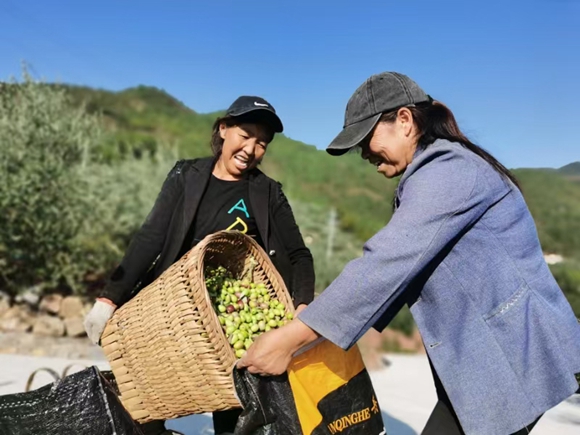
(571, 169)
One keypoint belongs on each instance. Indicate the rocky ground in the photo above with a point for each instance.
(22, 343)
(49, 316)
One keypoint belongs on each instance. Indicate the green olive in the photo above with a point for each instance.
(246, 309)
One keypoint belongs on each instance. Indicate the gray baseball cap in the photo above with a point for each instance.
(380, 93)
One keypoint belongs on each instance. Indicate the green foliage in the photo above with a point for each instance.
(315, 224)
(121, 196)
(64, 213)
(554, 202)
(44, 145)
(403, 321)
(568, 276)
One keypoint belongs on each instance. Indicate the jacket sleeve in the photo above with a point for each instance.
(147, 243)
(303, 277)
(443, 196)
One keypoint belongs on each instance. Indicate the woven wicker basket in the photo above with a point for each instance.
(166, 346)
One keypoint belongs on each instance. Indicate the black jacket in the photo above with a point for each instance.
(159, 240)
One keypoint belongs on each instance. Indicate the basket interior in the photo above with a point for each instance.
(232, 256)
(236, 257)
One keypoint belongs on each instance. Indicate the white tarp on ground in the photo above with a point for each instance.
(405, 392)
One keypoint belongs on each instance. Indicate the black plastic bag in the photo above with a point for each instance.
(84, 403)
(326, 391)
(268, 404)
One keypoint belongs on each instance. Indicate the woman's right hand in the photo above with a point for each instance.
(97, 318)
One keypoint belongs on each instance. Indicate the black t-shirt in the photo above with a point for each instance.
(225, 205)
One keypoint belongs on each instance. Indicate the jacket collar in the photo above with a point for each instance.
(204, 165)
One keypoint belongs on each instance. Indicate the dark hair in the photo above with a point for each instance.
(434, 120)
(217, 142)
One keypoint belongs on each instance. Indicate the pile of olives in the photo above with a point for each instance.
(245, 309)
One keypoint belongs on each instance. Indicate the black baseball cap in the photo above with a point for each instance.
(256, 109)
(380, 93)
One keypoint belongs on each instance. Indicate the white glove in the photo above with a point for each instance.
(96, 320)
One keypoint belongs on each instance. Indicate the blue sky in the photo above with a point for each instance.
(510, 71)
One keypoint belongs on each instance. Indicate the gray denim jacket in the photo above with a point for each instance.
(462, 251)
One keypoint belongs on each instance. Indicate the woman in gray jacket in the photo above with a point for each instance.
(462, 251)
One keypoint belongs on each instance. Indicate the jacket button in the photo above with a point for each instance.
(272, 253)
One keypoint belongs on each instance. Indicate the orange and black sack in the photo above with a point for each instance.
(326, 391)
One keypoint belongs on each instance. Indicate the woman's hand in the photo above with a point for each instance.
(97, 318)
(272, 352)
(299, 309)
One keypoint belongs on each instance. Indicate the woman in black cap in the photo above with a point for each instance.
(203, 196)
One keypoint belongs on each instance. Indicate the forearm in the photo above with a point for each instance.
(300, 334)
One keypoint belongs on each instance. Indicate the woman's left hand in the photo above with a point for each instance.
(272, 351)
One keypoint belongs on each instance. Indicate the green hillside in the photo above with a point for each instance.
(554, 201)
(144, 119)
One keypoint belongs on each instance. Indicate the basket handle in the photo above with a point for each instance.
(67, 368)
(33, 374)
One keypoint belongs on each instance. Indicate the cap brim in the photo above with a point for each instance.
(260, 114)
(352, 136)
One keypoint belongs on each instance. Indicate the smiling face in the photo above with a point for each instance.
(392, 143)
(244, 146)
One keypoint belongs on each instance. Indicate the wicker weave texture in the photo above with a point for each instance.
(166, 346)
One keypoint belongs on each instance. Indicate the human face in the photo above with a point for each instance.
(391, 145)
(243, 149)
